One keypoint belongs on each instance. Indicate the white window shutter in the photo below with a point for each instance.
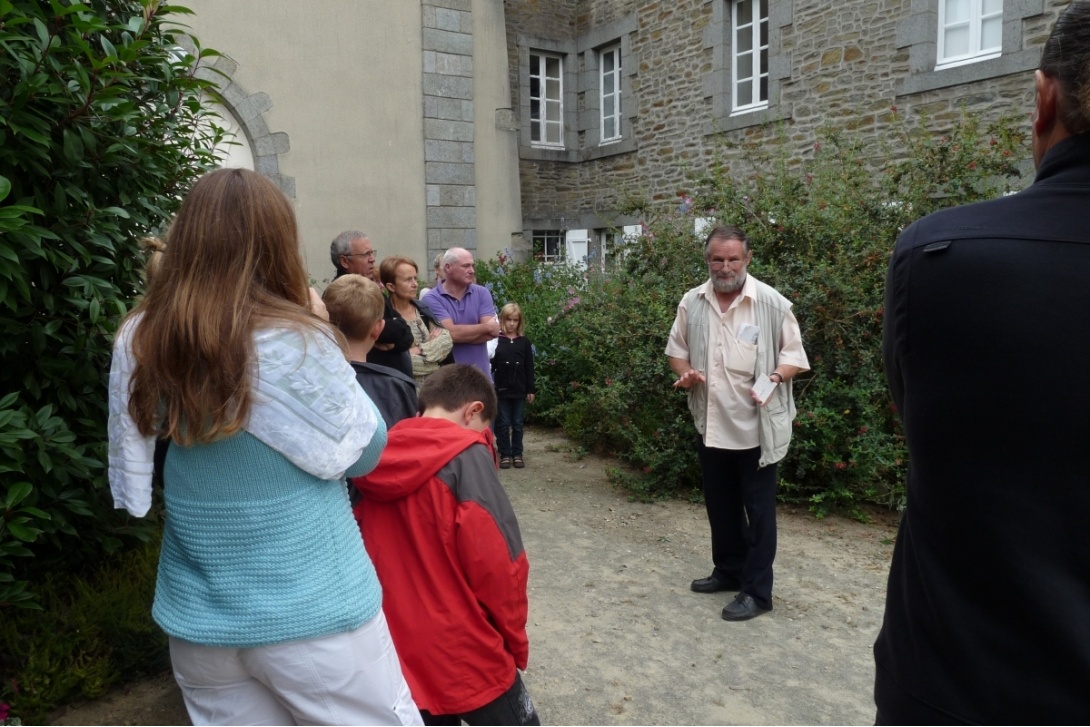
(703, 225)
(577, 243)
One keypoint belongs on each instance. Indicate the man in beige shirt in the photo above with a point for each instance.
(735, 346)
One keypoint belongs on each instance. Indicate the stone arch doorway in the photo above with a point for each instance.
(258, 147)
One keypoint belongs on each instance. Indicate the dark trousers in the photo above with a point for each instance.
(513, 707)
(509, 416)
(741, 503)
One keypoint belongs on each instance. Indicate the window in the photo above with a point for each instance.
(749, 62)
(609, 62)
(548, 246)
(969, 30)
(546, 100)
(749, 48)
(956, 42)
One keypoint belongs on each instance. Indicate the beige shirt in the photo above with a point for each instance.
(732, 421)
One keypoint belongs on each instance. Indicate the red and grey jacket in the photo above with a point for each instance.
(445, 542)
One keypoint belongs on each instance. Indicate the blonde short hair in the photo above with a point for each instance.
(510, 311)
(355, 305)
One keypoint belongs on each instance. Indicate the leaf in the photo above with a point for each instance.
(5, 187)
(116, 211)
(17, 493)
(24, 532)
(73, 146)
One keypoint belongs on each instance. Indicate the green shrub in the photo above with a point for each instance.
(822, 230)
(101, 131)
(95, 631)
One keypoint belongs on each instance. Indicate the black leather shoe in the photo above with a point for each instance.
(743, 608)
(711, 584)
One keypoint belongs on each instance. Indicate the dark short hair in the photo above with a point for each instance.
(452, 387)
(724, 233)
(1066, 57)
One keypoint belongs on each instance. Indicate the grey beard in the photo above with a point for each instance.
(728, 286)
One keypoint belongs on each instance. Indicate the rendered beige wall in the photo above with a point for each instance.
(344, 78)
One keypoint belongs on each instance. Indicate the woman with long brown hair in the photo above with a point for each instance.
(269, 599)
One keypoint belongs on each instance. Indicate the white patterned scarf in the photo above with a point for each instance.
(307, 406)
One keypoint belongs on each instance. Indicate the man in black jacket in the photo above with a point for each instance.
(352, 252)
(987, 330)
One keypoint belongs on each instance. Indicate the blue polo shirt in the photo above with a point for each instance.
(474, 305)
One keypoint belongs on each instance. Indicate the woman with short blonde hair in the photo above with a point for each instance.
(432, 344)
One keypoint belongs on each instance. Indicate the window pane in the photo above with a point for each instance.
(991, 34)
(535, 132)
(552, 90)
(535, 109)
(535, 65)
(610, 128)
(745, 12)
(764, 32)
(764, 62)
(552, 67)
(957, 11)
(552, 111)
(745, 93)
(745, 66)
(552, 133)
(957, 41)
(607, 84)
(608, 106)
(535, 87)
(992, 6)
(745, 42)
(764, 89)
(609, 61)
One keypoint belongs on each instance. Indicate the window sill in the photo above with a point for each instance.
(571, 156)
(962, 73)
(746, 119)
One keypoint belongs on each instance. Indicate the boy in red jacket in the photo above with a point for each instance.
(445, 542)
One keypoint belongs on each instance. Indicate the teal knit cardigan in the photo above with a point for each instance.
(256, 551)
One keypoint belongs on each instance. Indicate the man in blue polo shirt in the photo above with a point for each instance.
(465, 309)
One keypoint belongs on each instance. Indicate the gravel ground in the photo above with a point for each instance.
(617, 637)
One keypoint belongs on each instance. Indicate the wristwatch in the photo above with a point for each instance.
(778, 375)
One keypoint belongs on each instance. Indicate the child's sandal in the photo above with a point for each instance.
(519, 464)
(505, 463)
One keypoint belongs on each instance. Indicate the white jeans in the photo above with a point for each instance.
(352, 678)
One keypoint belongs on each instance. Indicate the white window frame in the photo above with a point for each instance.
(549, 239)
(976, 23)
(546, 121)
(613, 75)
(756, 49)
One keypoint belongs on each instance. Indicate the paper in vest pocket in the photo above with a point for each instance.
(748, 333)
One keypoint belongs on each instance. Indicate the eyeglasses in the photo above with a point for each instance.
(717, 264)
(370, 255)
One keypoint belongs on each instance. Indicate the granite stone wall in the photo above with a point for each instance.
(843, 64)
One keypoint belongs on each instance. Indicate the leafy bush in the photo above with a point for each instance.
(101, 130)
(95, 632)
(822, 230)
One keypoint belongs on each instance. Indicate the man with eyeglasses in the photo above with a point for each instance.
(735, 346)
(352, 252)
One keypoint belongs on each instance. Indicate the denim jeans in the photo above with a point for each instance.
(508, 427)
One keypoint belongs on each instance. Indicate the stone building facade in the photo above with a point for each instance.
(844, 64)
(530, 124)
